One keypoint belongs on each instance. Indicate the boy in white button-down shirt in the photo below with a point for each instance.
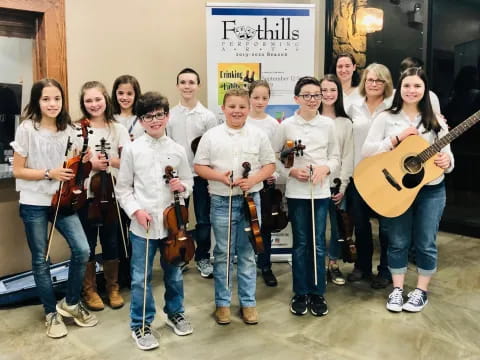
(321, 154)
(222, 150)
(188, 121)
(144, 195)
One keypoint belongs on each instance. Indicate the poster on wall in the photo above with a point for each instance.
(248, 42)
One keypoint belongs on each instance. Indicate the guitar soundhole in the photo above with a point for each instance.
(413, 165)
(412, 180)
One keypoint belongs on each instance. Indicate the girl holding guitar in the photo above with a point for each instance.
(411, 114)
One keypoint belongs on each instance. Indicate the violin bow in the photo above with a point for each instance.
(145, 278)
(229, 237)
(312, 201)
(60, 187)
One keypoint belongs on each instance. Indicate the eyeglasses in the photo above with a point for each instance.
(375, 81)
(149, 117)
(308, 97)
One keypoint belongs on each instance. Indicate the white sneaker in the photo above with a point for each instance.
(395, 300)
(144, 340)
(55, 326)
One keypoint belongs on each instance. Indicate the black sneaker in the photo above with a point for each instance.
(417, 299)
(299, 304)
(269, 278)
(318, 305)
(357, 275)
(380, 282)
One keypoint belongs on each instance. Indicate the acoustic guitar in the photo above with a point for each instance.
(389, 182)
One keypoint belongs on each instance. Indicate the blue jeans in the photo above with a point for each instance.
(419, 224)
(300, 214)
(240, 246)
(172, 277)
(361, 213)
(201, 205)
(334, 246)
(35, 219)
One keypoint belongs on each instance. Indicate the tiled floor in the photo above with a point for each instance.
(356, 327)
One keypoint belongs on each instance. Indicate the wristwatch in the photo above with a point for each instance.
(46, 175)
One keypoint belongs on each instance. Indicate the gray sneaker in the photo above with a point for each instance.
(144, 340)
(78, 312)
(205, 268)
(179, 324)
(55, 325)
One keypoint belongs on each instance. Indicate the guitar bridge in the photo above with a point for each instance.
(391, 180)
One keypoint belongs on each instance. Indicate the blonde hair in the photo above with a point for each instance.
(235, 92)
(382, 73)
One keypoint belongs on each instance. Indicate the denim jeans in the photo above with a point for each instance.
(35, 219)
(240, 246)
(172, 277)
(361, 213)
(108, 234)
(419, 224)
(201, 205)
(300, 213)
(334, 248)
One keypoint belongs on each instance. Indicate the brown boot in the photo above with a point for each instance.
(249, 315)
(110, 271)
(222, 315)
(90, 295)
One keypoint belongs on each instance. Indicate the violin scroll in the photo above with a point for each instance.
(291, 149)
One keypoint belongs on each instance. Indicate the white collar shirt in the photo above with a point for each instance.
(362, 119)
(321, 148)
(140, 182)
(186, 124)
(388, 125)
(226, 149)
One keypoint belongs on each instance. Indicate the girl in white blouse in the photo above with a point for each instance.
(40, 143)
(96, 106)
(125, 92)
(332, 107)
(411, 114)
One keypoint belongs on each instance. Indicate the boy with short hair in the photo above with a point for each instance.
(188, 121)
(144, 195)
(320, 155)
(222, 150)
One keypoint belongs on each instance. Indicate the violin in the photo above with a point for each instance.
(102, 210)
(345, 229)
(253, 229)
(274, 217)
(73, 195)
(289, 151)
(179, 247)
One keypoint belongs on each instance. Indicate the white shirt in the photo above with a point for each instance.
(321, 148)
(268, 124)
(388, 125)
(43, 149)
(362, 120)
(187, 124)
(354, 98)
(132, 124)
(140, 182)
(226, 149)
(344, 135)
(116, 136)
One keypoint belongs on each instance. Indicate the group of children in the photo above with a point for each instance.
(145, 136)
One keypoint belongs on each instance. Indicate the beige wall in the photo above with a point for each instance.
(150, 39)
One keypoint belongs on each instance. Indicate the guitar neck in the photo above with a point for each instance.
(447, 139)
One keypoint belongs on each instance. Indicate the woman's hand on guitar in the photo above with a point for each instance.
(337, 198)
(143, 218)
(319, 174)
(407, 132)
(99, 162)
(442, 160)
(176, 185)
(61, 174)
(302, 175)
